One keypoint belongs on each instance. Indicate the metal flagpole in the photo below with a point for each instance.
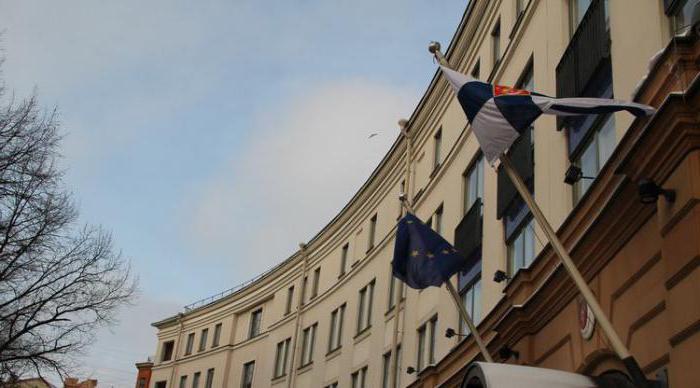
(463, 311)
(615, 341)
(394, 373)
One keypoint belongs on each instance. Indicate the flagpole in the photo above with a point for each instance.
(618, 346)
(394, 373)
(463, 311)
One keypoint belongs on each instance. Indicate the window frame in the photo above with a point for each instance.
(216, 340)
(366, 300)
(255, 324)
(168, 348)
(476, 166)
(496, 43)
(281, 357)
(195, 379)
(437, 149)
(189, 345)
(203, 339)
(248, 366)
(335, 332)
(344, 253)
(372, 232)
(307, 345)
(315, 284)
(209, 380)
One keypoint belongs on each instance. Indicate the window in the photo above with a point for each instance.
(247, 375)
(471, 299)
(476, 71)
(519, 7)
(190, 344)
(142, 382)
(577, 8)
(392, 290)
(344, 259)
(437, 149)
(332, 385)
(281, 358)
(314, 287)
(304, 285)
(167, 352)
(496, 43)
(210, 378)
(290, 300)
(426, 343)
(402, 192)
(681, 16)
(595, 152)
(372, 232)
(255, 322)
(217, 335)
(336, 330)
(160, 384)
(473, 183)
(387, 368)
(359, 378)
(364, 316)
(437, 224)
(195, 379)
(183, 381)
(521, 248)
(203, 340)
(307, 345)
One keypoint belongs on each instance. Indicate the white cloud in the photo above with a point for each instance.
(304, 160)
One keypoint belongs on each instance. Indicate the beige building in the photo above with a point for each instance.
(325, 316)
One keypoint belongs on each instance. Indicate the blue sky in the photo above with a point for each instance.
(211, 137)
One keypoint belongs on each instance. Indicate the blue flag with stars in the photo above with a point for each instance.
(422, 258)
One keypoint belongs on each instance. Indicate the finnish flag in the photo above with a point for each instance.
(499, 114)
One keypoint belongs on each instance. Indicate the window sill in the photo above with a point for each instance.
(333, 353)
(305, 368)
(278, 379)
(359, 337)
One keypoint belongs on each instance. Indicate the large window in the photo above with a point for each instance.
(359, 378)
(496, 43)
(474, 183)
(203, 340)
(471, 299)
(682, 16)
(344, 259)
(437, 149)
(290, 300)
(521, 248)
(255, 323)
(307, 345)
(281, 358)
(195, 379)
(190, 344)
(167, 352)
(426, 344)
(594, 153)
(476, 71)
(396, 289)
(336, 330)
(437, 219)
(247, 375)
(577, 8)
(183, 381)
(210, 378)
(217, 335)
(386, 370)
(314, 286)
(371, 235)
(364, 316)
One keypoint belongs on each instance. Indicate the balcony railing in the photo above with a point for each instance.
(468, 233)
(589, 45)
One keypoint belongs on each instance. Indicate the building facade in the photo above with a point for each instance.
(326, 316)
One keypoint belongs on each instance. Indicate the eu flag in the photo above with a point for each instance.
(422, 258)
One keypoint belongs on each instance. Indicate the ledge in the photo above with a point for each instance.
(305, 368)
(359, 337)
(334, 353)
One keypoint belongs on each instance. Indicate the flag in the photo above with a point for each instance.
(499, 114)
(422, 258)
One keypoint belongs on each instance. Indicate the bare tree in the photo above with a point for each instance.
(59, 281)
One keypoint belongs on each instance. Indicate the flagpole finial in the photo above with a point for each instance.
(403, 123)
(302, 246)
(434, 47)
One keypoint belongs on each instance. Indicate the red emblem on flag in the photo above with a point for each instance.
(499, 90)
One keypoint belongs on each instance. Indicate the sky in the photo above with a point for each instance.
(211, 137)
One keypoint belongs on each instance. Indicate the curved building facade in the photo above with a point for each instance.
(326, 316)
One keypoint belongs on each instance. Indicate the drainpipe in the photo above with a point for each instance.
(297, 322)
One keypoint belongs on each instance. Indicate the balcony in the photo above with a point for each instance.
(468, 233)
(521, 154)
(588, 47)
